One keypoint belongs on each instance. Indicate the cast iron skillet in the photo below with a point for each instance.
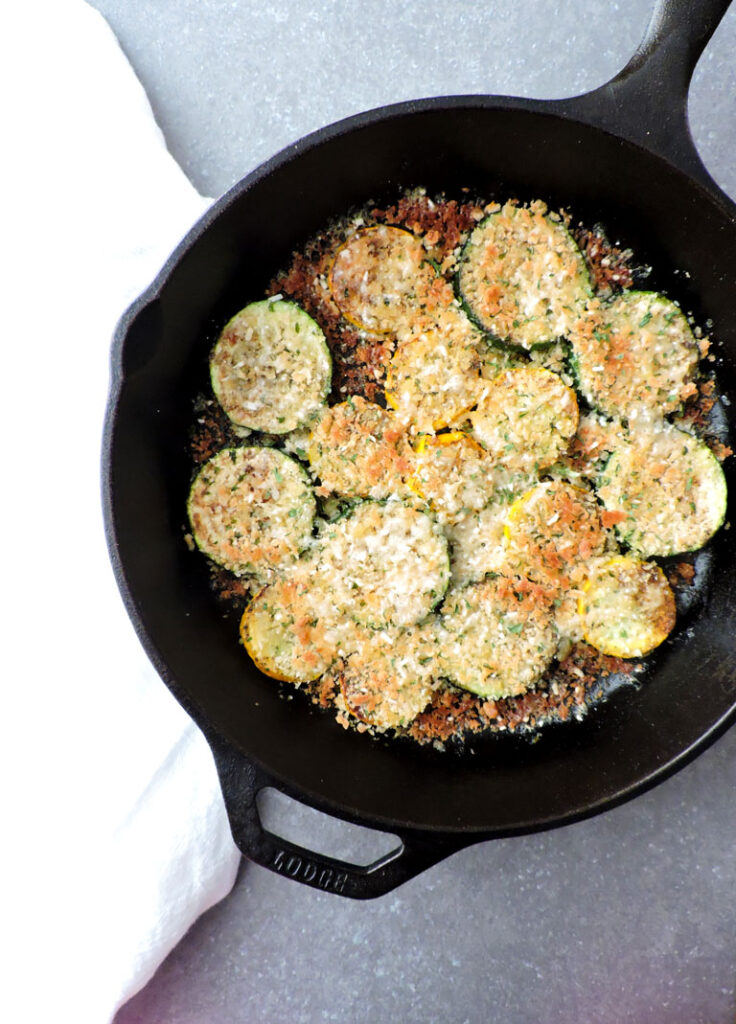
(621, 155)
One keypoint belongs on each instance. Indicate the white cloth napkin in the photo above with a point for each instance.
(115, 833)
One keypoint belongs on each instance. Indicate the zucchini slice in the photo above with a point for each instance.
(433, 377)
(271, 368)
(635, 354)
(525, 418)
(383, 564)
(627, 607)
(552, 531)
(666, 488)
(390, 680)
(359, 450)
(498, 636)
(522, 278)
(282, 634)
(380, 277)
(453, 474)
(251, 510)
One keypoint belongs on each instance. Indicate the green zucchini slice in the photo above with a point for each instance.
(636, 354)
(251, 510)
(498, 636)
(383, 564)
(271, 368)
(522, 278)
(668, 491)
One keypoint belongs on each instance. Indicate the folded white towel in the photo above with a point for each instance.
(119, 838)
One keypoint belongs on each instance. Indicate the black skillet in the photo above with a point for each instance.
(621, 155)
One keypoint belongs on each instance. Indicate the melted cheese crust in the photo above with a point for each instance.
(384, 564)
(359, 450)
(525, 418)
(380, 277)
(434, 374)
(551, 532)
(390, 680)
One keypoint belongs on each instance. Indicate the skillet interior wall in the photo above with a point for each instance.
(505, 786)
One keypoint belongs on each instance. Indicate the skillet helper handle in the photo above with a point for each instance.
(646, 102)
(241, 783)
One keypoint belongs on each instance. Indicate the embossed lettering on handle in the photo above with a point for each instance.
(241, 782)
(309, 871)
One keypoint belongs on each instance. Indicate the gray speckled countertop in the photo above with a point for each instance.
(627, 917)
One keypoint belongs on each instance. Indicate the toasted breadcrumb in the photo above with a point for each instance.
(580, 676)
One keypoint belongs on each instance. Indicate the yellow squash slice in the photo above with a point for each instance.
(525, 418)
(627, 607)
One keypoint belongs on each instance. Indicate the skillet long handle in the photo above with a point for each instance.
(646, 102)
(241, 783)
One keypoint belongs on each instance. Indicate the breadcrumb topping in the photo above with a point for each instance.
(452, 451)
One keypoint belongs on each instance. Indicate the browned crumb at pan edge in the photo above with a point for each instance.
(569, 688)
(610, 267)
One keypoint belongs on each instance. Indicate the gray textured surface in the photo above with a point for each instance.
(629, 917)
(233, 82)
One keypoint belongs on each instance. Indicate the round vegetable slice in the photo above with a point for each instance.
(498, 636)
(383, 564)
(453, 474)
(635, 354)
(251, 510)
(359, 450)
(667, 490)
(552, 531)
(390, 680)
(522, 278)
(433, 378)
(271, 368)
(281, 634)
(379, 277)
(627, 607)
(525, 418)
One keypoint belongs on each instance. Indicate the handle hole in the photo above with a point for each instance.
(322, 833)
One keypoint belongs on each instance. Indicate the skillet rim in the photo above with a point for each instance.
(559, 109)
